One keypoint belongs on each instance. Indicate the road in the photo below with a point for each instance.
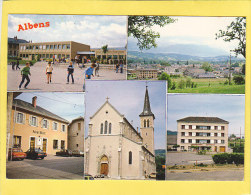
(59, 78)
(52, 167)
(219, 175)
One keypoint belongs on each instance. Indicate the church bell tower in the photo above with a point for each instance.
(147, 124)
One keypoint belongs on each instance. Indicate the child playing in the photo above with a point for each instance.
(25, 72)
(49, 72)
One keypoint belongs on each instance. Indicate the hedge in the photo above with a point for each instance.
(226, 158)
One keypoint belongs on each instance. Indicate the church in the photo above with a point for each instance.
(115, 148)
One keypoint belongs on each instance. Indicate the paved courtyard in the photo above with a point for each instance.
(51, 167)
(185, 158)
(59, 78)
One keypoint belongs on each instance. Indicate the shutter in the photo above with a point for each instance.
(30, 120)
(24, 119)
(36, 121)
(42, 121)
(47, 124)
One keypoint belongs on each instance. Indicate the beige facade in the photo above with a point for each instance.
(113, 55)
(76, 134)
(146, 74)
(13, 46)
(207, 133)
(34, 127)
(114, 148)
(46, 50)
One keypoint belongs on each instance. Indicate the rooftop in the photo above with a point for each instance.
(17, 41)
(37, 110)
(196, 119)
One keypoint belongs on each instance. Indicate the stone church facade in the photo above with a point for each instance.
(114, 148)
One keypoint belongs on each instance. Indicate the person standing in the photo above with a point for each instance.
(17, 66)
(48, 71)
(70, 71)
(97, 69)
(117, 68)
(25, 72)
(89, 71)
(121, 67)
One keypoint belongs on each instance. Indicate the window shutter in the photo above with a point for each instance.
(24, 119)
(47, 124)
(36, 122)
(42, 122)
(30, 120)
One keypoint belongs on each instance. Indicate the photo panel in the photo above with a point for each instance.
(45, 135)
(60, 52)
(205, 137)
(194, 54)
(125, 130)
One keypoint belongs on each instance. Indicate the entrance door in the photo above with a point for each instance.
(215, 148)
(222, 149)
(32, 142)
(44, 145)
(104, 169)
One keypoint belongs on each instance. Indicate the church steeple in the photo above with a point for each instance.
(147, 108)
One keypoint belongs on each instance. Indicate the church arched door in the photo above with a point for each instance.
(104, 165)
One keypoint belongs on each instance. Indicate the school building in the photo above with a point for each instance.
(32, 126)
(202, 133)
(13, 46)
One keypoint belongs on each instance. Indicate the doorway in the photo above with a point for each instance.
(32, 143)
(104, 168)
(44, 145)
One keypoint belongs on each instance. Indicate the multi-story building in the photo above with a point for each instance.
(48, 50)
(147, 74)
(76, 134)
(203, 133)
(32, 126)
(13, 46)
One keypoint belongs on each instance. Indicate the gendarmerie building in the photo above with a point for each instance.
(32, 126)
(114, 148)
(204, 133)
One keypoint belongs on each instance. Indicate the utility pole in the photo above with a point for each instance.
(229, 82)
(240, 136)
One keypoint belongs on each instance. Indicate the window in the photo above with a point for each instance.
(20, 118)
(59, 46)
(55, 144)
(222, 141)
(47, 55)
(63, 128)
(144, 123)
(40, 46)
(148, 123)
(33, 121)
(45, 124)
(55, 46)
(190, 126)
(44, 46)
(79, 126)
(110, 128)
(215, 134)
(208, 141)
(68, 46)
(182, 140)
(203, 127)
(47, 47)
(182, 126)
(34, 47)
(55, 126)
(190, 134)
(64, 46)
(215, 141)
(17, 141)
(222, 135)
(182, 147)
(77, 145)
(62, 144)
(216, 127)
(222, 128)
(101, 128)
(106, 124)
(130, 158)
(190, 141)
(51, 46)
(182, 133)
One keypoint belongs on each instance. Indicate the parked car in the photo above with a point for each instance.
(152, 175)
(100, 176)
(77, 153)
(35, 153)
(64, 152)
(88, 177)
(16, 154)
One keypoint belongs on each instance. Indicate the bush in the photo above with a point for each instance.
(165, 76)
(173, 85)
(239, 80)
(238, 149)
(181, 84)
(225, 158)
(202, 152)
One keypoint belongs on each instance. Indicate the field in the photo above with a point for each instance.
(210, 86)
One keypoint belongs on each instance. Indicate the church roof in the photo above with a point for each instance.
(147, 108)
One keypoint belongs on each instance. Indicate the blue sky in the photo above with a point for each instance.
(66, 105)
(95, 31)
(226, 107)
(128, 98)
(194, 31)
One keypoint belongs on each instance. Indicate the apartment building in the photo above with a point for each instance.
(147, 74)
(204, 133)
(48, 50)
(32, 126)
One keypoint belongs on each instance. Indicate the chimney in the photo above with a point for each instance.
(15, 38)
(34, 101)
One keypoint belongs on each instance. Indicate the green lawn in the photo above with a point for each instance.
(22, 61)
(210, 86)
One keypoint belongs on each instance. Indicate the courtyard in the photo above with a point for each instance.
(51, 167)
(59, 78)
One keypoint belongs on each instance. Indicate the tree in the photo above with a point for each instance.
(239, 80)
(235, 31)
(165, 76)
(139, 27)
(207, 67)
(105, 49)
(243, 69)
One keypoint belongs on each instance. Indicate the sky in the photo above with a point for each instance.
(66, 105)
(128, 98)
(193, 31)
(95, 31)
(227, 107)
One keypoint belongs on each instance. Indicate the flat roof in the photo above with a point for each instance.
(86, 52)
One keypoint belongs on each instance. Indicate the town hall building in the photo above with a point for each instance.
(115, 149)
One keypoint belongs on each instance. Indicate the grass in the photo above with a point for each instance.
(208, 166)
(22, 61)
(210, 86)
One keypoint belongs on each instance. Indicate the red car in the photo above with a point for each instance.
(16, 154)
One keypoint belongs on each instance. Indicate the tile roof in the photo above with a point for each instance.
(12, 40)
(38, 110)
(196, 119)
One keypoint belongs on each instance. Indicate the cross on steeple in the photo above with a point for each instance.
(107, 98)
